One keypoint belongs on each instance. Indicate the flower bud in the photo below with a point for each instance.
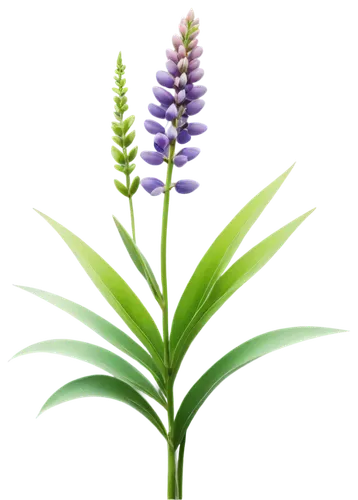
(151, 184)
(194, 35)
(196, 75)
(172, 68)
(152, 157)
(194, 64)
(156, 111)
(165, 79)
(181, 52)
(195, 53)
(154, 127)
(172, 55)
(190, 16)
(183, 65)
(181, 96)
(182, 80)
(172, 133)
(180, 160)
(197, 128)
(193, 44)
(190, 153)
(196, 92)
(195, 106)
(195, 22)
(183, 29)
(183, 137)
(163, 96)
(161, 142)
(186, 186)
(172, 112)
(177, 41)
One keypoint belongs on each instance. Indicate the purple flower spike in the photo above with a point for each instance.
(196, 75)
(180, 160)
(151, 184)
(161, 142)
(172, 68)
(195, 106)
(163, 96)
(186, 186)
(197, 128)
(154, 127)
(172, 55)
(152, 157)
(165, 79)
(196, 92)
(190, 153)
(156, 111)
(183, 137)
(172, 133)
(172, 112)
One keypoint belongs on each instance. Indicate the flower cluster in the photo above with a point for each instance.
(183, 71)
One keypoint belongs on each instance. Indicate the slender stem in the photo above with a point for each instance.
(132, 212)
(181, 468)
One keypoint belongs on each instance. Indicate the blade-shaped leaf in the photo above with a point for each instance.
(104, 386)
(104, 328)
(235, 359)
(102, 358)
(140, 262)
(216, 259)
(116, 291)
(240, 272)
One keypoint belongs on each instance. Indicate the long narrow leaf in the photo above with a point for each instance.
(116, 291)
(240, 272)
(140, 262)
(106, 330)
(235, 359)
(97, 356)
(105, 387)
(216, 259)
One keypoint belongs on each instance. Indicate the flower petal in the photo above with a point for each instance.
(156, 111)
(186, 186)
(151, 183)
(165, 79)
(152, 157)
(196, 92)
(161, 142)
(183, 137)
(195, 106)
(180, 160)
(172, 112)
(163, 96)
(190, 153)
(197, 128)
(154, 127)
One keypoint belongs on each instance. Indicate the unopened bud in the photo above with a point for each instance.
(183, 29)
(183, 65)
(177, 41)
(181, 52)
(190, 16)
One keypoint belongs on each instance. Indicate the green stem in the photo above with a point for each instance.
(181, 468)
(132, 212)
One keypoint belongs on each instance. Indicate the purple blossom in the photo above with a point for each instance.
(172, 133)
(195, 106)
(180, 160)
(195, 53)
(186, 186)
(154, 127)
(196, 75)
(196, 128)
(152, 185)
(194, 64)
(165, 79)
(196, 92)
(163, 96)
(190, 153)
(172, 68)
(172, 113)
(156, 111)
(152, 157)
(183, 137)
(172, 55)
(161, 142)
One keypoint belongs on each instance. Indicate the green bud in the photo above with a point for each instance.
(121, 188)
(119, 59)
(134, 186)
(129, 139)
(118, 140)
(133, 153)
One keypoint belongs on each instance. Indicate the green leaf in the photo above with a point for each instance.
(102, 327)
(128, 122)
(134, 186)
(129, 139)
(102, 358)
(235, 359)
(216, 259)
(121, 188)
(131, 168)
(240, 272)
(116, 291)
(140, 262)
(117, 129)
(121, 169)
(118, 156)
(104, 386)
(124, 108)
(133, 153)
(118, 140)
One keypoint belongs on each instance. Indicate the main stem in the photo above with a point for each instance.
(172, 486)
(131, 207)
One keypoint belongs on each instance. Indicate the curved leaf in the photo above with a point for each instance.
(116, 291)
(104, 386)
(235, 359)
(97, 356)
(106, 330)
(140, 262)
(240, 272)
(216, 259)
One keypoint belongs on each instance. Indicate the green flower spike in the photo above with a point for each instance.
(124, 149)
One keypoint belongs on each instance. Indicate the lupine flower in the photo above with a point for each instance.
(183, 72)
(186, 186)
(152, 185)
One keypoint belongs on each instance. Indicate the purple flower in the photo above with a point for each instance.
(172, 68)
(186, 186)
(194, 64)
(195, 53)
(172, 55)
(172, 113)
(163, 96)
(156, 111)
(196, 92)
(196, 128)
(181, 96)
(180, 160)
(172, 133)
(154, 127)
(190, 153)
(152, 185)
(183, 137)
(165, 79)
(196, 75)
(152, 157)
(195, 106)
(161, 142)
